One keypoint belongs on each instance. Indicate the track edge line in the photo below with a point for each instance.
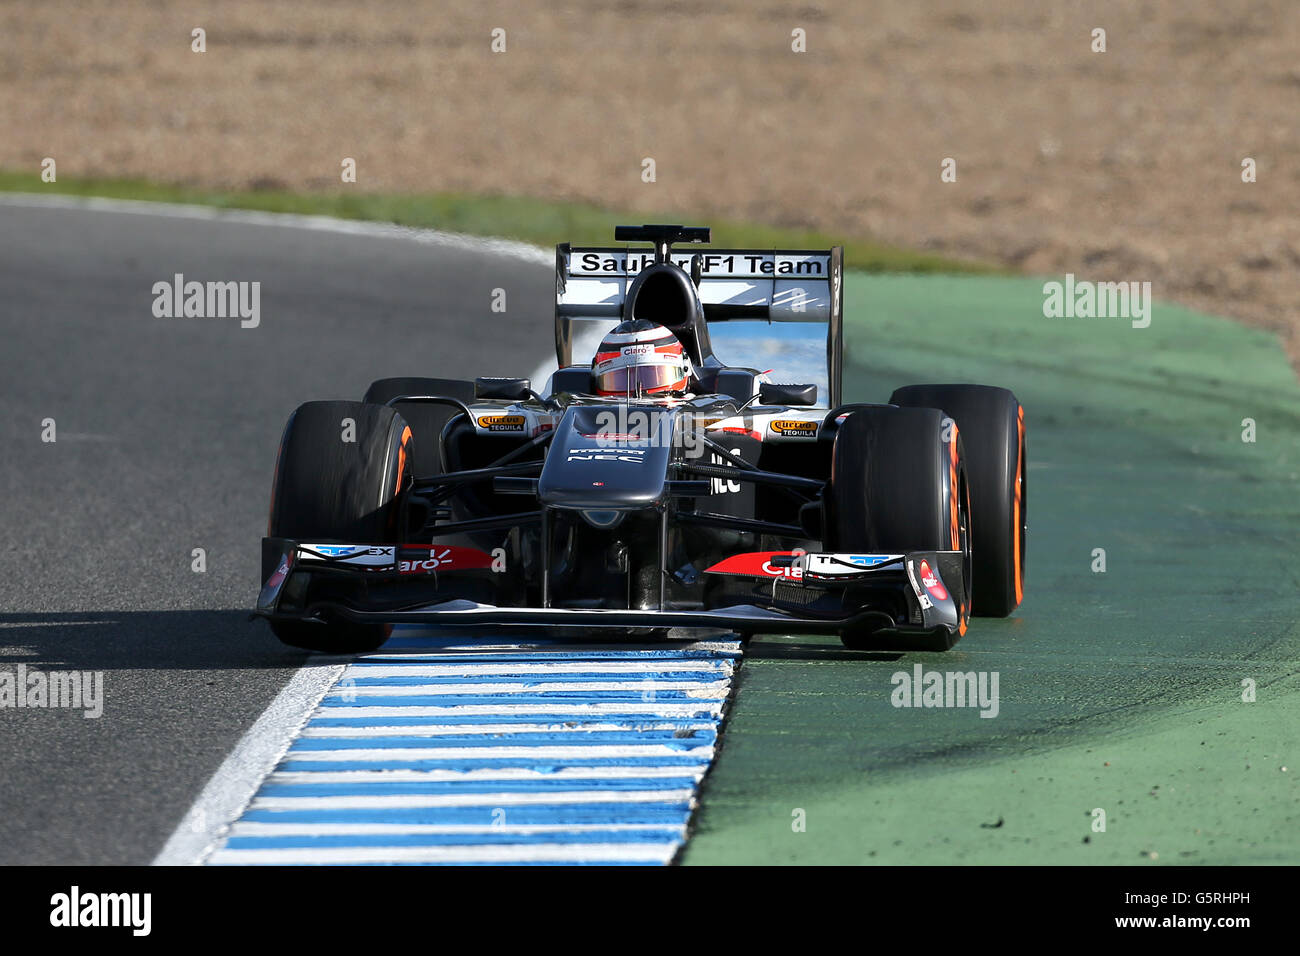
(230, 790)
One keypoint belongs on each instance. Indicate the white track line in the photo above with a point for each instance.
(711, 690)
(509, 248)
(251, 763)
(509, 799)
(570, 729)
(476, 669)
(661, 711)
(702, 752)
(237, 779)
(380, 809)
(485, 774)
(407, 829)
(530, 853)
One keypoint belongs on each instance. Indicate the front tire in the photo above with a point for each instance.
(341, 472)
(992, 423)
(898, 484)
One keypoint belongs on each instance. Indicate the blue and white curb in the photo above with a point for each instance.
(470, 752)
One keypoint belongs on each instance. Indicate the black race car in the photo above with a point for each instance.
(735, 502)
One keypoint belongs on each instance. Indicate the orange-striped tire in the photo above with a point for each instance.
(992, 424)
(898, 484)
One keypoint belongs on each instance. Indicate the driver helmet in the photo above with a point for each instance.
(638, 358)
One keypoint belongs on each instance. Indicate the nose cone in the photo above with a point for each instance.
(608, 458)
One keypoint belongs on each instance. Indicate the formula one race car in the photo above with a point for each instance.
(657, 491)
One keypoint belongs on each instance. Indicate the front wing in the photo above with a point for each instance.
(905, 601)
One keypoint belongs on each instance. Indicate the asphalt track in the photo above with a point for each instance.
(166, 437)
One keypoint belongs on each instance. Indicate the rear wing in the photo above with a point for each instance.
(803, 290)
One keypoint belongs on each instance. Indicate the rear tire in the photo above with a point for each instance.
(992, 424)
(425, 418)
(897, 486)
(330, 489)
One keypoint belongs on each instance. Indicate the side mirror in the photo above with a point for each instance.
(777, 393)
(510, 389)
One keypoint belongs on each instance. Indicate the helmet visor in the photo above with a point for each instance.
(639, 379)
